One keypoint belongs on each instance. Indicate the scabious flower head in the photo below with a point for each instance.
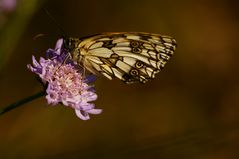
(65, 82)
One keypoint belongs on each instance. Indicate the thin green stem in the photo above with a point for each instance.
(21, 102)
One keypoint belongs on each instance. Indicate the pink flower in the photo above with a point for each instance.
(7, 5)
(65, 83)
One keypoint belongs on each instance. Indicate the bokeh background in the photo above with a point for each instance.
(190, 111)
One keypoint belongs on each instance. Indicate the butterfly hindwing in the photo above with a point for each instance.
(130, 57)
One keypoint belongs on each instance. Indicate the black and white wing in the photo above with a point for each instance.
(131, 57)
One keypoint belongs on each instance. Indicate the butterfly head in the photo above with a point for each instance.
(70, 44)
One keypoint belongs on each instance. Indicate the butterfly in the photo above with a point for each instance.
(128, 56)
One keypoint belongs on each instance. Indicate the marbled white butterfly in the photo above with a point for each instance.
(129, 56)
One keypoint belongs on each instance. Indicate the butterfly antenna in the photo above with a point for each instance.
(56, 23)
(39, 36)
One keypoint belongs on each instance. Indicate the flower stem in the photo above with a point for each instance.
(21, 102)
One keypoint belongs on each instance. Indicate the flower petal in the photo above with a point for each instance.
(81, 116)
(95, 111)
(58, 46)
(34, 62)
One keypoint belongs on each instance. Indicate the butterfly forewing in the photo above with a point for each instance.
(131, 57)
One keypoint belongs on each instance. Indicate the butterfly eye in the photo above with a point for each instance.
(66, 43)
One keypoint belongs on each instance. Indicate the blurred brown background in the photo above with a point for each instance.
(189, 111)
